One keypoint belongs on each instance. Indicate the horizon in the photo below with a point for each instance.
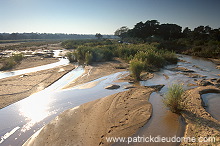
(105, 17)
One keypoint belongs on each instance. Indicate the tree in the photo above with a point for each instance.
(170, 31)
(121, 32)
(98, 35)
(186, 32)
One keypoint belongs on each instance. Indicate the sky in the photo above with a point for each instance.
(102, 16)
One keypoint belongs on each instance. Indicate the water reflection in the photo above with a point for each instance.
(34, 69)
(35, 109)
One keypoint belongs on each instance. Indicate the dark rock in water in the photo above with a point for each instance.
(112, 87)
(217, 85)
(131, 82)
(129, 87)
(204, 83)
(182, 69)
(157, 87)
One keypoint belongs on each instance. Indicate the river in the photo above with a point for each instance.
(20, 120)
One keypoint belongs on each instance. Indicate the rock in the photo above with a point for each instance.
(217, 85)
(193, 75)
(157, 87)
(129, 87)
(146, 75)
(218, 80)
(190, 85)
(213, 79)
(166, 76)
(204, 83)
(112, 87)
(218, 67)
(182, 69)
(24, 75)
(131, 82)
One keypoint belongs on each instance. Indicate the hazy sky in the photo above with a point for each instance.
(102, 16)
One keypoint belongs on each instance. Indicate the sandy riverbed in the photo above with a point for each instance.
(199, 122)
(98, 70)
(34, 62)
(121, 114)
(15, 88)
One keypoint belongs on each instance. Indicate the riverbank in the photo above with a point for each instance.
(15, 88)
(118, 115)
(98, 70)
(200, 124)
(34, 61)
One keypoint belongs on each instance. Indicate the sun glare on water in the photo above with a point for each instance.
(35, 109)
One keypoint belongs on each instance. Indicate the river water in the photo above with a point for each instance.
(20, 120)
(164, 123)
(62, 61)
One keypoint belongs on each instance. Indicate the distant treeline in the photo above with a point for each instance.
(23, 36)
(153, 29)
(202, 41)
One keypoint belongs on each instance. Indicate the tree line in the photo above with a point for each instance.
(23, 36)
(153, 29)
(203, 41)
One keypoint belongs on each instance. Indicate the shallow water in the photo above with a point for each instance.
(164, 123)
(62, 61)
(212, 101)
(20, 120)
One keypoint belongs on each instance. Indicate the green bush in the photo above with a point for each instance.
(9, 63)
(72, 56)
(88, 58)
(136, 67)
(173, 98)
(17, 57)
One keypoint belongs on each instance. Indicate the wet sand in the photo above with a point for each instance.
(118, 115)
(15, 88)
(98, 70)
(34, 62)
(199, 122)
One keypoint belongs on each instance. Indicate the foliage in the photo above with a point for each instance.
(8, 63)
(98, 36)
(74, 44)
(203, 41)
(72, 56)
(173, 98)
(136, 67)
(88, 58)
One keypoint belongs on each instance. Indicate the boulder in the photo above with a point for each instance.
(113, 86)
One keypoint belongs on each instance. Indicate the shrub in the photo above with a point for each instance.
(173, 98)
(170, 57)
(136, 67)
(88, 58)
(9, 63)
(17, 57)
(72, 56)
